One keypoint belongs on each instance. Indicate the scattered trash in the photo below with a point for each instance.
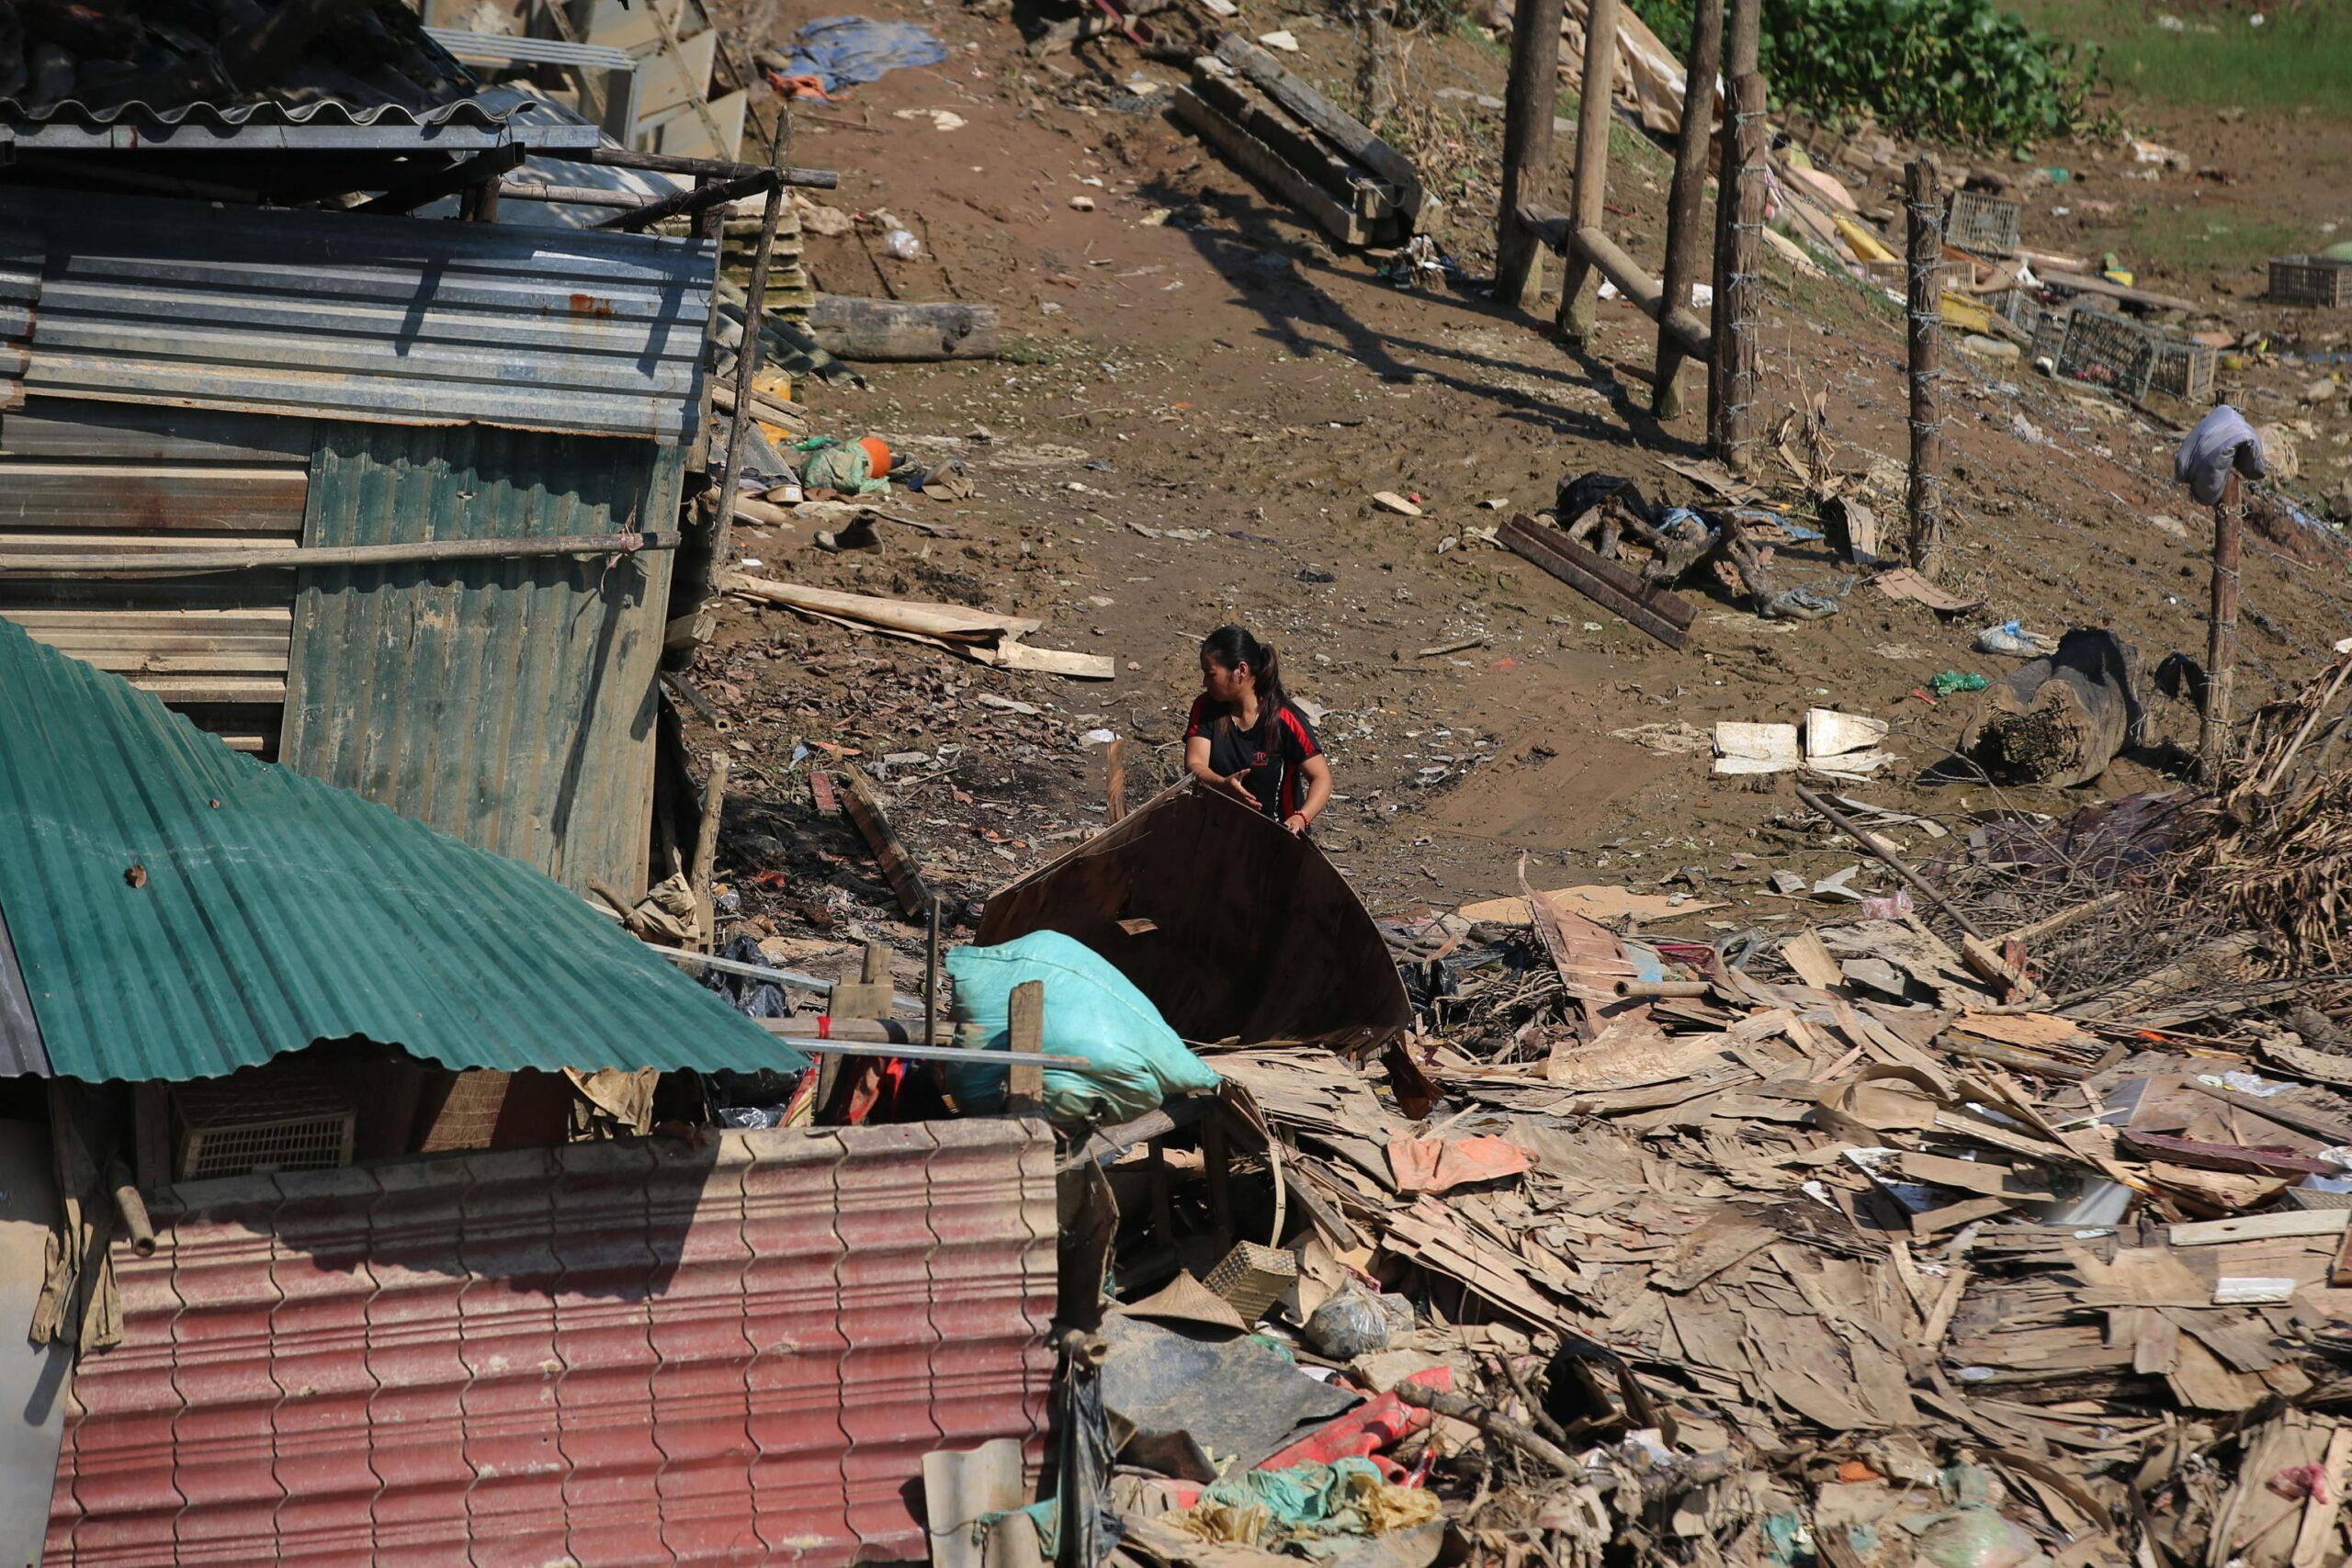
(1945, 683)
(1389, 501)
(842, 51)
(2013, 639)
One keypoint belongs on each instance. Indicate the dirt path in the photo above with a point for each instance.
(1203, 398)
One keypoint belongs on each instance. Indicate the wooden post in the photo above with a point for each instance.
(2222, 638)
(1924, 270)
(869, 996)
(1591, 187)
(1024, 1090)
(1739, 47)
(1527, 147)
(931, 977)
(714, 802)
(1734, 368)
(1690, 147)
(1114, 780)
(746, 359)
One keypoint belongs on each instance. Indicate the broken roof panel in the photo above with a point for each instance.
(180, 910)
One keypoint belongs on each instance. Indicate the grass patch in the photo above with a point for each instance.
(2194, 240)
(2298, 59)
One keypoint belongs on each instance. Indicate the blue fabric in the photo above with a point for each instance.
(842, 51)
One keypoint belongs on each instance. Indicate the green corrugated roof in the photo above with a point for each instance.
(269, 911)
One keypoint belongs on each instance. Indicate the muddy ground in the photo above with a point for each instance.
(1203, 397)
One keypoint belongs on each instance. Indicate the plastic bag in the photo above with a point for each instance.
(1092, 1010)
(1355, 1322)
(2010, 639)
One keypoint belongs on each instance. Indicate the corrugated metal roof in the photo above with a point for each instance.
(180, 910)
(624, 1352)
(384, 319)
(510, 702)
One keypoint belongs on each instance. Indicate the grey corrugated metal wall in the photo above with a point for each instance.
(510, 704)
(392, 319)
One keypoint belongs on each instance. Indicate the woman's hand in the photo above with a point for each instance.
(1296, 823)
(1238, 785)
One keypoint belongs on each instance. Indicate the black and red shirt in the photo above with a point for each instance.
(1274, 752)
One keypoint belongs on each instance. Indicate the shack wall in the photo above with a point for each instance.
(622, 1352)
(512, 703)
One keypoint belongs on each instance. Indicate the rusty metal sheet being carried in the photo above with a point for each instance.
(1252, 935)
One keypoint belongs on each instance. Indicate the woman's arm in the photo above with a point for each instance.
(1196, 762)
(1316, 770)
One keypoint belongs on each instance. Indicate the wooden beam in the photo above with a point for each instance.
(1586, 572)
(303, 557)
(1640, 288)
(1351, 135)
(1527, 147)
(865, 806)
(1589, 194)
(1024, 1087)
(1692, 143)
(705, 168)
(1254, 158)
(900, 331)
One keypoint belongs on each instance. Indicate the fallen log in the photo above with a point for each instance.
(900, 330)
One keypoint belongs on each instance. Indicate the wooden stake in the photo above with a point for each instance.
(1115, 779)
(1734, 369)
(2222, 638)
(870, 995)
(1024, 1090)
(1591, 188)
(1527, 148)
(1925, 271)
(747, 359)
(1690, 147)
(1739, 47)
(714, 801)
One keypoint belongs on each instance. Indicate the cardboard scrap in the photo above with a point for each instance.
(1902, 583)
(1439, 1165)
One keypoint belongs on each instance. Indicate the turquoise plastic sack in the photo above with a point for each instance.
(1092, 1010)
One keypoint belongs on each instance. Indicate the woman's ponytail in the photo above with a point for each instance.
(1232, 646)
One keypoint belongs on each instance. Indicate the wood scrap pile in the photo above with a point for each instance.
(1853, 1252)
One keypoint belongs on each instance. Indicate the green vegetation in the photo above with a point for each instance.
(1962, 69)
(2197, 240)
(2301, 57)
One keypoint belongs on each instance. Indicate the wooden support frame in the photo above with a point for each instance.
(1590, 248)
(1527, 147)
(1587, 195)
(1692, 143)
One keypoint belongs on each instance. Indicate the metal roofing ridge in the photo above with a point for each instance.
(210, 896)
(267, 111)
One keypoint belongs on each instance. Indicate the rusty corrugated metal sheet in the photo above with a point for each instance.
(604, 1353)
(349, 316)
(508, 703)
(89, 476)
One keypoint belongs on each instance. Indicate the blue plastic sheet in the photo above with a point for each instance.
(842, 51)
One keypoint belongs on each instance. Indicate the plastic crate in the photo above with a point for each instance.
(2102, 349)
(2019, 306)
(2050, 336)
(2310, 280)
(260, 1120)
(1975, 221)
(2183, 369)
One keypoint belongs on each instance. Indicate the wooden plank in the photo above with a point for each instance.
(1254, 158)
(1296, 146)
(1024, 1088)
(1579, 569)
(1811, 959)
(899, 330)
(2261, 1227)
(897, 864)
(1351, 135)
(152, 498)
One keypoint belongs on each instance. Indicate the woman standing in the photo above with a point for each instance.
(1246, 737)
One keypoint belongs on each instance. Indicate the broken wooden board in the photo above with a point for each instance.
(1594, 902)
(1262, 164)
(1657, 610)
(1344, 131)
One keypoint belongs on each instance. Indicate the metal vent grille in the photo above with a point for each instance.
(262, 1121)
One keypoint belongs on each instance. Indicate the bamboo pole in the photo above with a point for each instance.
(1690, 148)
(1527, 147)
(1590, 191)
